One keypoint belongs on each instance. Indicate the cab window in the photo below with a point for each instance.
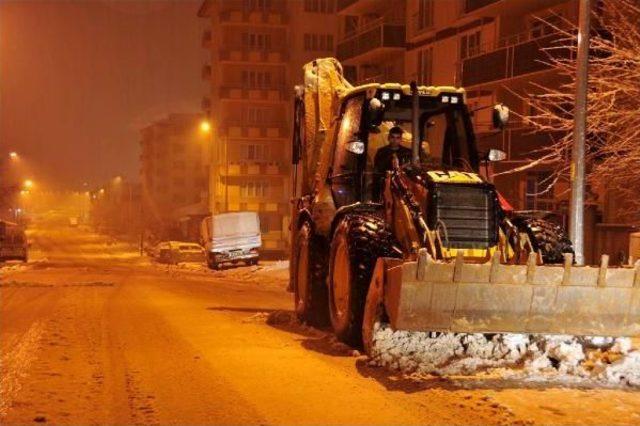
(344, 175)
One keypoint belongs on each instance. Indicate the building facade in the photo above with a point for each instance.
(173, 173)
(115, 208)
(256, 52)
(372, 40)
(494, 49)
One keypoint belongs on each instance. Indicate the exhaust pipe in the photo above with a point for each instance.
(415, 125)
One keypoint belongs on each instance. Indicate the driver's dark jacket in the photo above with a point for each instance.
(383, 161)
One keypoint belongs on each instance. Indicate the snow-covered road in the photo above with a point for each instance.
(93, 334)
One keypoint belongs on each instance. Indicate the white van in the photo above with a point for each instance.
(231, 237)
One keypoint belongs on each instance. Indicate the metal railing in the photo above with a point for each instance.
(515, 39)
(391, 20)
(509, 57)
(379, 33)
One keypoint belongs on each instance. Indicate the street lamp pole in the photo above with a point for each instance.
(206, 128)
(576, 218)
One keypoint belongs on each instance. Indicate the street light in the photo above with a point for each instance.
(28, 184)
(14, 156)
(205, 126)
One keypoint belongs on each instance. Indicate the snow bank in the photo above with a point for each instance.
(609, 361)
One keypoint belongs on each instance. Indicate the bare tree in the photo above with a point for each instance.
(613, 115)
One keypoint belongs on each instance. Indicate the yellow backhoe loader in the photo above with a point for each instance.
(430, 244)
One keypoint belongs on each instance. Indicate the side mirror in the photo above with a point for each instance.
(496, 155)
(500, 116)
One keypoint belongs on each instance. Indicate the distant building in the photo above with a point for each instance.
(257, 49)
(114, 208)
(173, 174)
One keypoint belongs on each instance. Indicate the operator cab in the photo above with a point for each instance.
(446, 133)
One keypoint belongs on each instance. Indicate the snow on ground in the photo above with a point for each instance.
(267, 272)
(517, 356)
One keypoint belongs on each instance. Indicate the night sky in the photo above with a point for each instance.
(78, 79)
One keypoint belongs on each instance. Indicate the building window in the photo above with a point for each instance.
(257, 115)
(256, 79)
(319, 6)
(255, 152)
(425, 15)
(256, 41)
(425, 66)
(545, 26)
(470, 45)
(538, 196)
(254, 189)
(257, 4)
(318, 42)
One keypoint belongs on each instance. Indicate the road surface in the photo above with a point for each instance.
(93, 334)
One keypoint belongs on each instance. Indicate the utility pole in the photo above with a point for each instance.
(576, 218)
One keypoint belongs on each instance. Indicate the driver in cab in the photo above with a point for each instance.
(383, 160)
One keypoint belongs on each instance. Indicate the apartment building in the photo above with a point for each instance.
(173, 174)
(372, 39)
(494, 48)
(257, 49)
(114, 207)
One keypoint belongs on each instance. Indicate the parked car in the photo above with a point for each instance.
(231, 238)
(173, 252)
(13, 242)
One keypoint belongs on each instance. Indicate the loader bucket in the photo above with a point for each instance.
(428, 295)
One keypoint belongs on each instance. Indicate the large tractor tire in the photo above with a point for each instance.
(309, 287)
(358, 241)
(546, 237)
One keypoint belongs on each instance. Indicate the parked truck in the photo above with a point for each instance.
(231, 238)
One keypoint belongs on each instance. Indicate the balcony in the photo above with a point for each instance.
(253, 17)
(372, 41)
(246, 54)
(206, 72)
(207, 38)
(273, 93)
(249, 129)
(248, 168)
(510, 57)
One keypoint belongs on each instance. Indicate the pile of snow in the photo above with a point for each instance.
(278, 265)
(537, 357)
